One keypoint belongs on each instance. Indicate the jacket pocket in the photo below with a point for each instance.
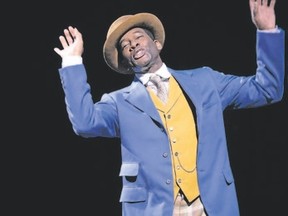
(133, 194)
(133, 189)
(228, 176)
(129, 169)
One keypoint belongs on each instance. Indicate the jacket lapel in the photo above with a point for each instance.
(189, 85)
(138, 96)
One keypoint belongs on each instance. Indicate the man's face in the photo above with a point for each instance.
(139, 50)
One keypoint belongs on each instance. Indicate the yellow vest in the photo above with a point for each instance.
(180, 125)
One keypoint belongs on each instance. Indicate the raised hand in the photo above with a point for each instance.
(263, 14)
(71, 42)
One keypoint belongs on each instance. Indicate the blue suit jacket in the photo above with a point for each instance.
(129, 114)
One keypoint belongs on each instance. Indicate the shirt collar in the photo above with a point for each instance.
(162, 72)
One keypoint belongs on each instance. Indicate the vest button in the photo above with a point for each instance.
(174, 140)
(179, 180)
(171, 128)
(169, 116)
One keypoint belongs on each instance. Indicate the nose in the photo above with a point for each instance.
(134, 44)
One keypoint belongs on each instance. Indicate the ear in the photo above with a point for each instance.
(158, 45)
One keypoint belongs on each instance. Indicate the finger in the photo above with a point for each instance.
(68, 36)
(254, 5)
(63, 41)
(272, 3)
(265, 2)
(257, 2)
(57, 50)
(251, 3)
(75, 33)
(72, 31)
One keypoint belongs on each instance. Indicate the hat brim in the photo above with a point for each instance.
(145, 20)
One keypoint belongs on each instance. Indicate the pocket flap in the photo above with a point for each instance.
(129, 169)
(133, 194)
(228, 176)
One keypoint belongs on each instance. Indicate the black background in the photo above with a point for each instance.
(48, 170)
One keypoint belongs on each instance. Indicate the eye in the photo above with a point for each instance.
(139, 37)
(124, 45)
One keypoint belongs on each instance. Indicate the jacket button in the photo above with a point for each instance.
(168, 181)
(165, 154)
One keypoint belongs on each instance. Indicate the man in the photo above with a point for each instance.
(174, 151)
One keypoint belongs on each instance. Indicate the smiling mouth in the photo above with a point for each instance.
(138, 54)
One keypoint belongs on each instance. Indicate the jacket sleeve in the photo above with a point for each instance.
(88, 119)
(264, 87)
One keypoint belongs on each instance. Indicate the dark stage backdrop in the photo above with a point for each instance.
(51, 171)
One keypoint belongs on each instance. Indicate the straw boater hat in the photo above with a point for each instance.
(119, 27)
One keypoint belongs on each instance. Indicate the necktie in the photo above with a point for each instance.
(162, 91)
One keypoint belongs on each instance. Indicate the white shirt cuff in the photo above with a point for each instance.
(275, 30)
(71, 60)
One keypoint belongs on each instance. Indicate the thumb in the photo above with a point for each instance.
(58, 51)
